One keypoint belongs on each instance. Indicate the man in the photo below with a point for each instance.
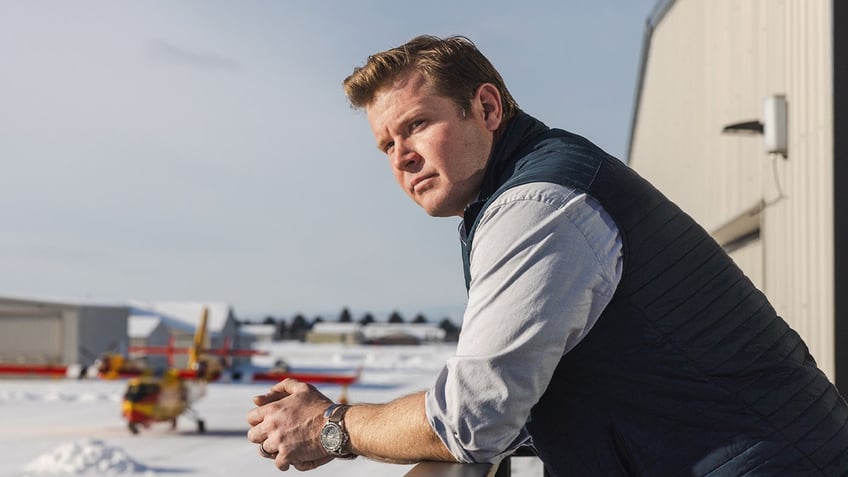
(603, 325)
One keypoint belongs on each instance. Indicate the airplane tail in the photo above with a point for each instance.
(199, 342)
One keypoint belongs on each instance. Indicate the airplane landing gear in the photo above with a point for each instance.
(201, 424)
(133, 427)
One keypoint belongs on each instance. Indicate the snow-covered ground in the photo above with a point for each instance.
(74, 428)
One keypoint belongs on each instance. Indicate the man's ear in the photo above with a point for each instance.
(489, 98)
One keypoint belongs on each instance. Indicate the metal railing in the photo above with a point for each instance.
(447, 469)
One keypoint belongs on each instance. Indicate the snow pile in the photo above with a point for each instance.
(86, 457)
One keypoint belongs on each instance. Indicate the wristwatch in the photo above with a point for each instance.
(334, 437)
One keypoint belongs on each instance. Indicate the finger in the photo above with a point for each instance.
(256, 436)
(265, 453)
(270, 396)
(288, 386)
(255, 416)
(281, 463)
(313, 464)
(293, 386)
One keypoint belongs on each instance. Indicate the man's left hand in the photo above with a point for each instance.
(288, 421)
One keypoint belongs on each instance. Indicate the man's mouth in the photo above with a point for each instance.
(421, 183)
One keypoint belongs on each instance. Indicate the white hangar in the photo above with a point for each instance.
(37, 331)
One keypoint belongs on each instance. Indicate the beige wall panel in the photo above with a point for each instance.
(33, 338)
(711, 64)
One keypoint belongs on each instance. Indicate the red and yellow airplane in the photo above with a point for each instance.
(162, 396)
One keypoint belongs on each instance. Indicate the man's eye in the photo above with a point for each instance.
(415, 124)
(388, 147)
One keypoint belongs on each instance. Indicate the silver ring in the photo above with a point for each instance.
(265, 453)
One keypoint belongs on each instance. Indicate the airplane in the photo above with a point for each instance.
(163, 395)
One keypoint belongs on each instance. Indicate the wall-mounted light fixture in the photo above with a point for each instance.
(772, 127)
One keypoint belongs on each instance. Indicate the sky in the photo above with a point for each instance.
(204, 150)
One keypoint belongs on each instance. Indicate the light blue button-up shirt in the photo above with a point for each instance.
(545, 262)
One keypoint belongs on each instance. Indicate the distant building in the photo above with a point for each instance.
(375, 333)
(259, 333)
(335, 332)
(45, 331)
(402, 333)
(182, 319)
(741, 118)
(151, 330)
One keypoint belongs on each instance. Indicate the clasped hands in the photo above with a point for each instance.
(286, 423)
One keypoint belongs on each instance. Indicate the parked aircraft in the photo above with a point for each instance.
(163, 395)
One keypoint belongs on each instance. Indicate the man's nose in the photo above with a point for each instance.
(405, 158)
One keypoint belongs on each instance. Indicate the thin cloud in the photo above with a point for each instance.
(165, 52)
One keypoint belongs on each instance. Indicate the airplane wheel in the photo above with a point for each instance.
(201, 426)
(133, 428)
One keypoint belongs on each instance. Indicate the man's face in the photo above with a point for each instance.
(437, 155)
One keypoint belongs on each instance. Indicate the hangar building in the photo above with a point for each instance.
(741, 117)
(34, 331)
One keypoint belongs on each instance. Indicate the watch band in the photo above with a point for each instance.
(330, 409)
(337, 414)
(335, 418)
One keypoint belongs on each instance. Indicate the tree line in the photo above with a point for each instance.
(299, 325)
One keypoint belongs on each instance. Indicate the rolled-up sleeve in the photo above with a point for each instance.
(545, 262)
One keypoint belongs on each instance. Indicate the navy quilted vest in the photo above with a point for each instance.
(689, 371)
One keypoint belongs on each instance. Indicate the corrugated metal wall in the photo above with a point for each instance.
(711, 64)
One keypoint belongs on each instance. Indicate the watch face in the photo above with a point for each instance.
(332, 438)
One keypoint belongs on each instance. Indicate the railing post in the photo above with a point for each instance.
(504, 468)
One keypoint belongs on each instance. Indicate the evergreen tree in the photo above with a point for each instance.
(420, 319)
(299, 327)
(281, 331)
(345, 317)
(451, 330)
(367, 319)
(395, 317)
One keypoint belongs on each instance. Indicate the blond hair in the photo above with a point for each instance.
(453, 67)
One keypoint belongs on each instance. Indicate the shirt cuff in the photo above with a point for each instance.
(452, 438)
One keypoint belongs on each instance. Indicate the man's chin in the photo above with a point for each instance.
(438, 208)
(439, 211)
(439, 214)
